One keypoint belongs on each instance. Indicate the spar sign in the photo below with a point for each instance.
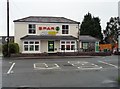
(49, 28)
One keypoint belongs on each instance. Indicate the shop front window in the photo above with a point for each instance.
(31, 46)
(68, 45)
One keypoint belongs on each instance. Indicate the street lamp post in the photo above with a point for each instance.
(8, 54)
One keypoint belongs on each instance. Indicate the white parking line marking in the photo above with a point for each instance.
(10, 62)
(45, 64)
(34, 66)
(89, 68)
(57, 65)
(9, 71)
(108, 64)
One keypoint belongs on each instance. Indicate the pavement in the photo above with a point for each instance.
(97, 71)
(51, 57)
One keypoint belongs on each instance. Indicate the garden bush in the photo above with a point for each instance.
(13, 49)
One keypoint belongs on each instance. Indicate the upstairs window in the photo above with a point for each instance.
(31, 29)
(65, 29)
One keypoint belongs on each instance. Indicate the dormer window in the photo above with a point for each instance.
(32, 29)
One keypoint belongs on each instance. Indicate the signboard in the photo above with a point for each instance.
(49, 28)
(46, 28)
(52, 32)
(48, 33)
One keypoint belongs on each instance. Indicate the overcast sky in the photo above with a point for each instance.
(72, 9)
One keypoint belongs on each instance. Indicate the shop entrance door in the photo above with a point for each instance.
(50, 46)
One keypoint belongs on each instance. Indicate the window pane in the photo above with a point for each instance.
(72, 42)
(26, 42)
(33, 25)
(62, 47)
(67, 27)
(31, 47)
(25, 47)
(85, 45)
(68, 42)
(36, 42)
(63, 26)
(62, 42)
(30, 25)
(63, 31)
(33, 31)
(72, 47)
(36, 47)
(66, 32)
(31, 42)
(30, 31)
(67, 47)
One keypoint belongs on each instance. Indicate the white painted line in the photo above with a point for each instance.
(88, 68)
(38, 68)
(10, 68)
(108, 64)
(57, 65)
(95, 65)
(72, 64)
(45, 64)
(83, 64)
(10, 62)
(34, 65)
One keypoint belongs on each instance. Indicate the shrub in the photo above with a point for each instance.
(13, 49)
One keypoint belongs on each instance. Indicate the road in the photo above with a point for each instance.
(99, 71)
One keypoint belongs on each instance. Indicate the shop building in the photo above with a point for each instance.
(89, 43)
(41, 34)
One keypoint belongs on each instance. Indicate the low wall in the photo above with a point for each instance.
(64, 54)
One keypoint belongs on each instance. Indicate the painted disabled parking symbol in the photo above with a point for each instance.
(46, 66)
(83, 65)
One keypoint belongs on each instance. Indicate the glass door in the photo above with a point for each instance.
(50, 46)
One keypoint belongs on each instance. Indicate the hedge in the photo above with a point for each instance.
(13, 49)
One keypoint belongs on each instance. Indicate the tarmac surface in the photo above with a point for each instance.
(83, 71)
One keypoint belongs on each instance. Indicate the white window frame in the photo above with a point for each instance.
(69, 44)
(29, 46)
(28, 29)
(66, 29)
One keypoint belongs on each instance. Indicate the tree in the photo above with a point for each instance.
(111, 31)
(91, 26)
